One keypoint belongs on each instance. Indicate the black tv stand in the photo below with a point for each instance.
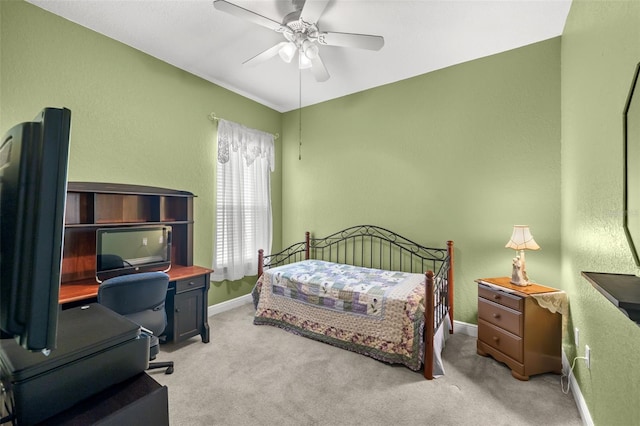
(623, 290)
(97, 348)
(137, 400)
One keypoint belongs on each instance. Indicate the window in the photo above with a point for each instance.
(243, 200)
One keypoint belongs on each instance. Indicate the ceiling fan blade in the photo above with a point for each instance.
(312, 10)
(248, 15)
(360, 41)
(267, 54)
(318, 69)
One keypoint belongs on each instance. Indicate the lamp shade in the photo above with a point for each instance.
(521, 239)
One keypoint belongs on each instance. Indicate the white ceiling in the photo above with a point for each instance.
(420, 36)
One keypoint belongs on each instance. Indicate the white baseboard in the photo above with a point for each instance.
(577, 394)
(218, 308)
(465, 328)
(472, 330)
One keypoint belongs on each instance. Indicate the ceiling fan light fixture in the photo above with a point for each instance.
(287, 52)
(302, 35)
(309, 49)
(304, 62)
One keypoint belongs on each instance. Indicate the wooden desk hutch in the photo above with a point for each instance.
(100, 205)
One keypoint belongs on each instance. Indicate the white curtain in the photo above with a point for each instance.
(245, 161)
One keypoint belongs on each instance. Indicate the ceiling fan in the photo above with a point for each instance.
(300, 29)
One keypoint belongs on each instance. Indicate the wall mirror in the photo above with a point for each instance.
(631, 134)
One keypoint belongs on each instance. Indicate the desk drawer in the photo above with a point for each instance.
(501, 340)
(501, 297)
(501, 316)
(190, 283)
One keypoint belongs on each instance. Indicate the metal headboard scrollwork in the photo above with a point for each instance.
(364, 245)
(375, 247)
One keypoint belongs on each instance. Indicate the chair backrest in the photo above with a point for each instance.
(140, 297)
(109, 261)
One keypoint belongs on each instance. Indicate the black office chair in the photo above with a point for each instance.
(140, 298)
(109, 261)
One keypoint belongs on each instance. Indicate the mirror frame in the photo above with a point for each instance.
(633, 240)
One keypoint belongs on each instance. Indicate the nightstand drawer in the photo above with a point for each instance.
(503, 298)
(190, 284)
(500, 316)
(501, 340)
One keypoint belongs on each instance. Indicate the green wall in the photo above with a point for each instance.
(600, 50)
(135, 119)
(459, 154)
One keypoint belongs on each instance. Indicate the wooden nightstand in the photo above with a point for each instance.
(515, 329)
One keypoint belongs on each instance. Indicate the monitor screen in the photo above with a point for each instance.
(33, 188)
(126, 250)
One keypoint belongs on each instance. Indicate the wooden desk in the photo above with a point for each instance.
(187, 300)
(94, 205)
(87, 289)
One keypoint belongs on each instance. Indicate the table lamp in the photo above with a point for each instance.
(521, 239)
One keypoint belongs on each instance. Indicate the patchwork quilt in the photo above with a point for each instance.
(374, 312)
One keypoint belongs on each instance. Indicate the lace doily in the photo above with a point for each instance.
(554, 302)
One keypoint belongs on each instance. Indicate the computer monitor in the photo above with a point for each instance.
(132, 249)
(33, 188)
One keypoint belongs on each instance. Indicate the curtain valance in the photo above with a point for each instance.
(251, 143)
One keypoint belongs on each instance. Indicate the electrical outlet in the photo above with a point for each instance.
(576, 337)
(587, 355)
(144, 241)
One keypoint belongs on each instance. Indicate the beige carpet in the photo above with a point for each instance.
(262, 375)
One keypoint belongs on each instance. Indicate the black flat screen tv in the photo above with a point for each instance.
(132, 249)
(33, 190)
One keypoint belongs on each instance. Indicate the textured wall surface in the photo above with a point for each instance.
(459, 154)
(600, 51)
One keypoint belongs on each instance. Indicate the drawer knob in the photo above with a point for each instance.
(496, 316)
(496, 339)
(191, 283)
(496, 296)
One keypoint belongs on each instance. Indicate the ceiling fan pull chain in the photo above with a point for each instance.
(300, 114)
